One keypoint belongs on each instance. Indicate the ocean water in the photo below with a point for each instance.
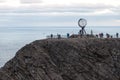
(14, 38)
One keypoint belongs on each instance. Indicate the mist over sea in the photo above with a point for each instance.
(13, 38)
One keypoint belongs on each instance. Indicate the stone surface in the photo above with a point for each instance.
(65, 59)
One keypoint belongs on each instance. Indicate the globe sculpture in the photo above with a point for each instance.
(82, 23)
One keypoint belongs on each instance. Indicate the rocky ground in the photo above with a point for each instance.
(65, 59)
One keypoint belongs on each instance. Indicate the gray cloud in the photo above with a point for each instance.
(64, 10)
(82, 8)
(55, 14)
(2, 1)
(30, 1)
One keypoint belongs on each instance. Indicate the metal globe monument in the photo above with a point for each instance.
(82, 24)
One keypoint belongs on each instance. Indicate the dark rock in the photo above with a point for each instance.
(65, 59)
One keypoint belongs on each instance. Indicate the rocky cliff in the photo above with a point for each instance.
(65, 59)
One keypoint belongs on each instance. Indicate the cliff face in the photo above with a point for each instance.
(65, 59)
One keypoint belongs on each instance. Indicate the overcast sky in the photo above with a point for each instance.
(59, 12)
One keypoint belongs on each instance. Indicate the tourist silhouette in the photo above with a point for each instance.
(117, 34)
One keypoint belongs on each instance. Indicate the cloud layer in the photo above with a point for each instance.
(30, 1)
(102, 12)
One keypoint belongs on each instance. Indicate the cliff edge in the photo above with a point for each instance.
(65, 59)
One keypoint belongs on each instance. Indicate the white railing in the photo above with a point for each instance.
(56, 36)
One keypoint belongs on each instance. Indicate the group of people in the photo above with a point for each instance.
(59, 36)
(101, 35)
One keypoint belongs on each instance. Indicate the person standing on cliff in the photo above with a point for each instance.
(107, 35)
(51, 36)
(117, 34)
(91, 32)
(68, 35)
(96, 35)
(59, 36)
(101, 35)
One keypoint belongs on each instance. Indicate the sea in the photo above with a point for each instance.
(14, 38)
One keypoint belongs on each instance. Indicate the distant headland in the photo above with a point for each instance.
(65, 59)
